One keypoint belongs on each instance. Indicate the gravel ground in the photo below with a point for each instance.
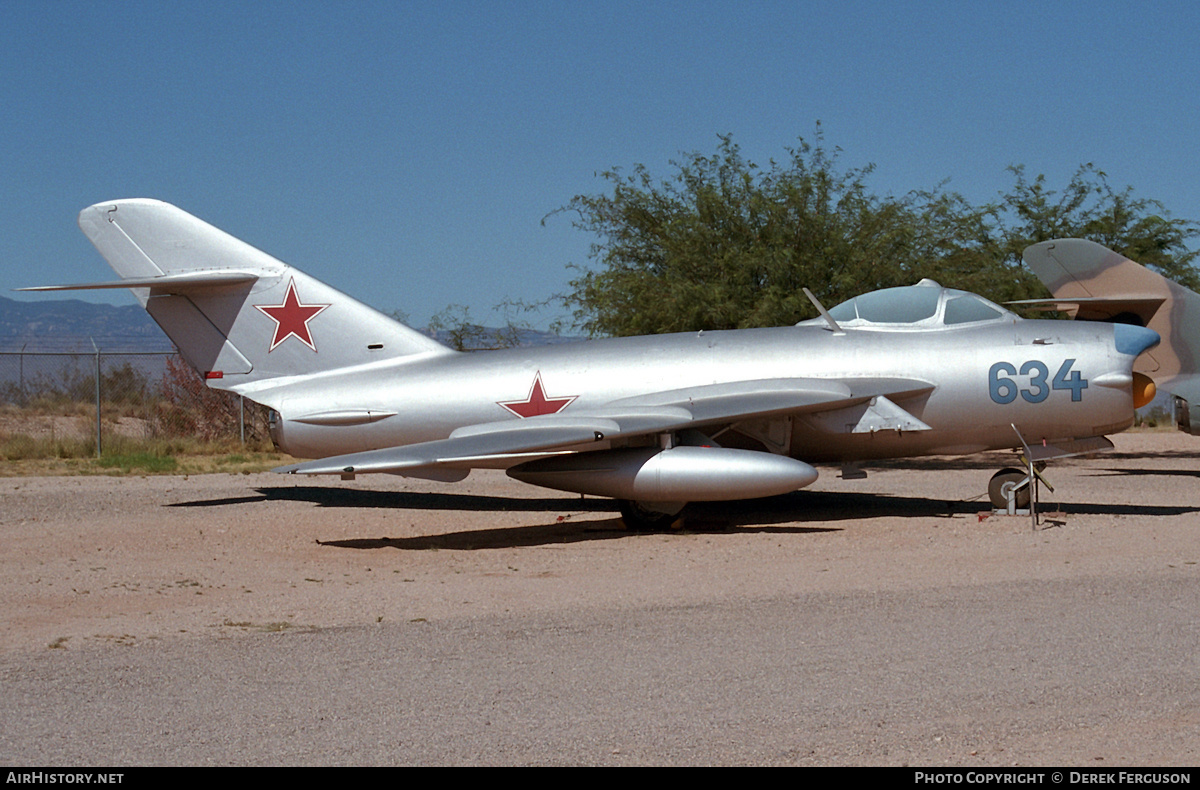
(260, 619)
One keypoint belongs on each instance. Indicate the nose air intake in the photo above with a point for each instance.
(1133, 340)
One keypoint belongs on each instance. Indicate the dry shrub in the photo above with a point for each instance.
(189, 407)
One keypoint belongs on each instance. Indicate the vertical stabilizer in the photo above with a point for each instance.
(237, 314)
(1096, 284)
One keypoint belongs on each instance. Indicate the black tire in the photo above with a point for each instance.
(1001, 482)
(639, 517)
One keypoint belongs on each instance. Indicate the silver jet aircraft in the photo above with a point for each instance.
(1093, 283)
(654, 422)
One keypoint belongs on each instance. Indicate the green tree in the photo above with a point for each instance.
(454, 327)
(1089, 208)
(723, 243)
(460, 332)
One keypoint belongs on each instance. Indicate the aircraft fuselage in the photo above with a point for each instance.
(1054, 380)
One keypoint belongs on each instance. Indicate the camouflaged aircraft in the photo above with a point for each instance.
(1092, 283)
(654, 422)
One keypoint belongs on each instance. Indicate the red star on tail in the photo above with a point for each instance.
(537, 403)
(291, 318)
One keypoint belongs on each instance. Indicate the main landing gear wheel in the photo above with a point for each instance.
(1004, 481)
(648, 516)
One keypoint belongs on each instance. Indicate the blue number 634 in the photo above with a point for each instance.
(1003, 389)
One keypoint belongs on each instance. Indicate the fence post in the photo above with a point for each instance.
(97, 396)
(21, 376)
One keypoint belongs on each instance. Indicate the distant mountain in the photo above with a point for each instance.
(73, 325)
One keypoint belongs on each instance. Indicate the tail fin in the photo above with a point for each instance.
(236, 314)
(1099, 284)
(1096, 284)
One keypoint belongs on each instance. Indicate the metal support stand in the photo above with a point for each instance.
(98, 425)
(1033, 476)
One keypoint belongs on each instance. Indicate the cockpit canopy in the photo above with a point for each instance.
(925, 305)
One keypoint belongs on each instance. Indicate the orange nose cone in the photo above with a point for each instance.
(1143, 390)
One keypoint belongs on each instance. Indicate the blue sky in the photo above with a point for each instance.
(407, 152)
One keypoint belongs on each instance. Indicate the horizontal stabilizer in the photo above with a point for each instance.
(177, 283)
(1098, 307)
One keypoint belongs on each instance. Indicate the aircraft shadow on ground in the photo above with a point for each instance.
(334, 497)
(795, 513)
(1112, 472)
(995, 460)
(1166, 455)
(576, 520)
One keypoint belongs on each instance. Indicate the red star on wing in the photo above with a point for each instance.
(537, 403)
(291, 318)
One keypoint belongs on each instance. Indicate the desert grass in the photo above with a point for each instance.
(22, 455)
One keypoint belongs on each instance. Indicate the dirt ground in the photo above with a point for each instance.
(90, 563)
(101, 559)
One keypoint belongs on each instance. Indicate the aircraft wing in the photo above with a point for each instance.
(669, 410)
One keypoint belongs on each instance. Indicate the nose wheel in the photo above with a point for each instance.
(1009, 489)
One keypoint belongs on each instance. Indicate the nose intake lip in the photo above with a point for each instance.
(1133, 340)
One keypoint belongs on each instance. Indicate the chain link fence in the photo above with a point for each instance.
(104, 397)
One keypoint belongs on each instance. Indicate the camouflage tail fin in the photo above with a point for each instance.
(1099, 284)
(1094, 283)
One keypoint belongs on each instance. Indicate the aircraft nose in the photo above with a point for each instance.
(1133, 340)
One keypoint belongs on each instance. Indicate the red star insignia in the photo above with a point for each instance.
(291, 318)
(537, 403)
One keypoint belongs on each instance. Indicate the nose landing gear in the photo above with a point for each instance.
(1015, 491)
